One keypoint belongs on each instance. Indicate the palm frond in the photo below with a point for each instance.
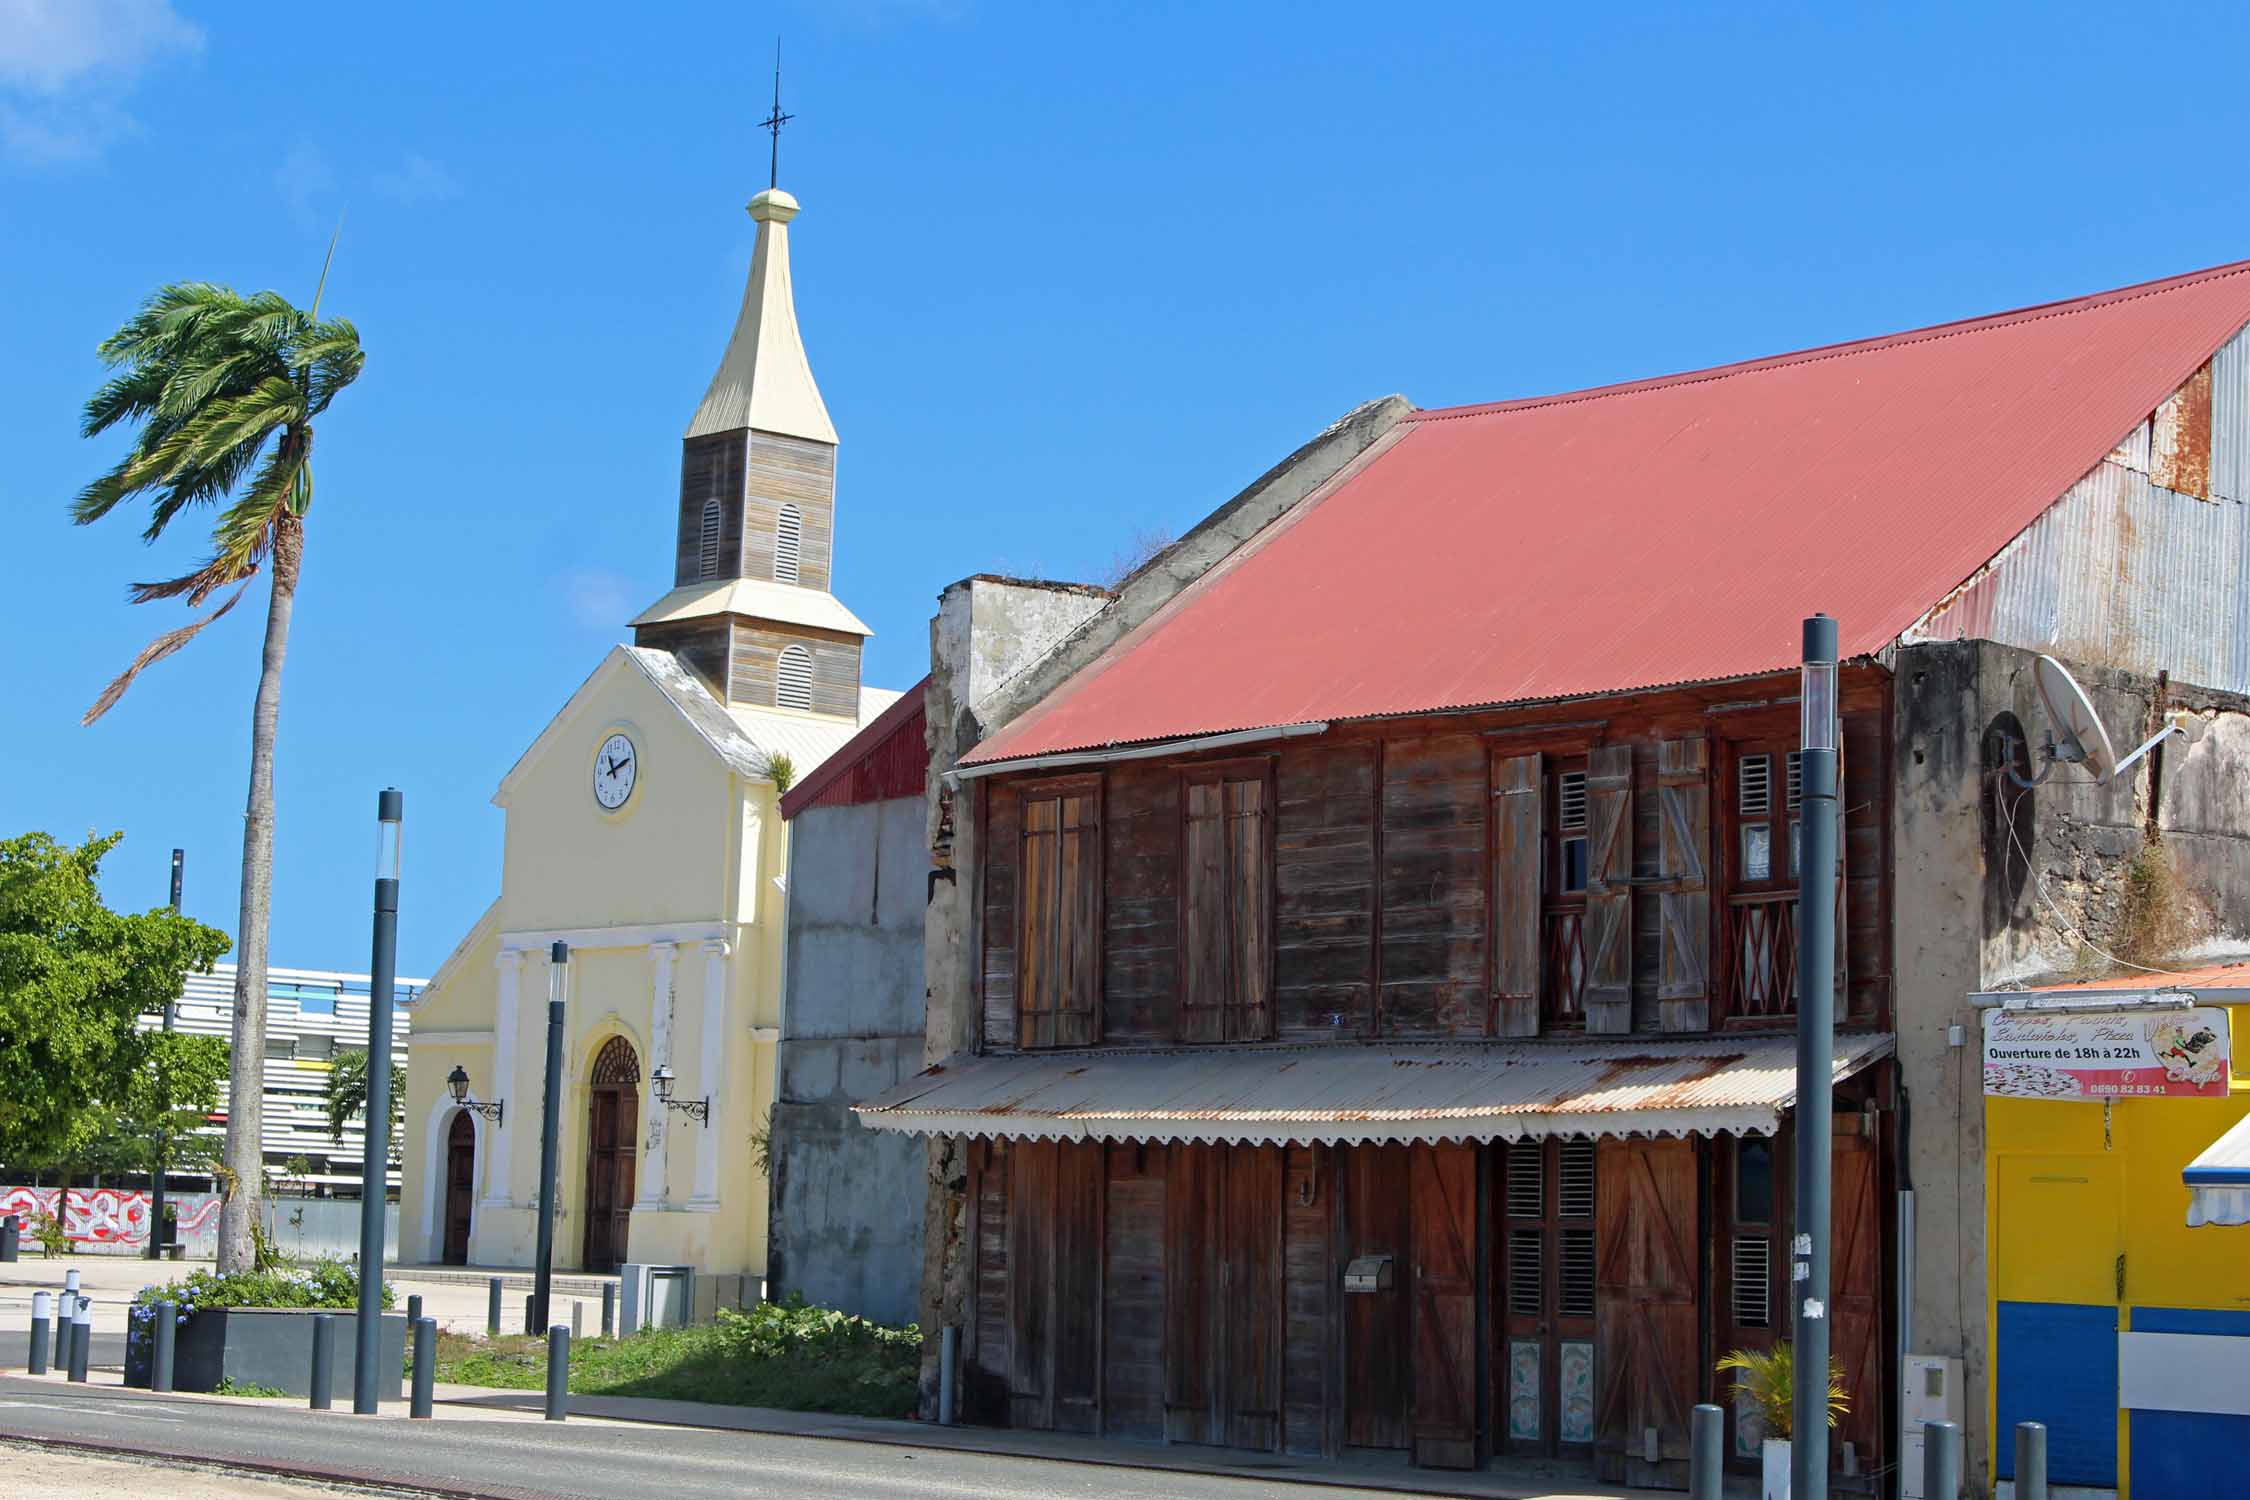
(154, 652)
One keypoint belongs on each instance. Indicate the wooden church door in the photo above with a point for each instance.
(613, 1122)
(460, 1186)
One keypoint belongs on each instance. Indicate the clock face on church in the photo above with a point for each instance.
(616, 766)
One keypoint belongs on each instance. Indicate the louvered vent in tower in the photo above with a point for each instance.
(788, 543)
(1527, 1179)
(792, 678)
(708, 552)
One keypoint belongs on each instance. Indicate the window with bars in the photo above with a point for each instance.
(1574, 1199)
(1527, 1180)
(707, 552)
(1570, 833)
(1526, 1263)
(788, 543)
(1752, 1267)
(1757, 817)
(792, 678)
(1750, 1248)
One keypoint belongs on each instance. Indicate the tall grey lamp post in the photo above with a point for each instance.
(550, 1132)
(1816, 1050)
(156, 1178)
(375, 1159)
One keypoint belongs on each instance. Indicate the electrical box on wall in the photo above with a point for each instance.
(1368, 1273)
(1932, 1394)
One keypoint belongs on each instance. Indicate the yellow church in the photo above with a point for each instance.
(642, 830)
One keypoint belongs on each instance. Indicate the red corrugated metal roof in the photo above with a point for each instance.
(889, 757)
(1666, 531)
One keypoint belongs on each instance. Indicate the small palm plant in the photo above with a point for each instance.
(1769, 1378)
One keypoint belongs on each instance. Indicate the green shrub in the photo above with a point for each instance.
(320, 1283)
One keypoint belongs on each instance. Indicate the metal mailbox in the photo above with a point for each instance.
(1368, 1273)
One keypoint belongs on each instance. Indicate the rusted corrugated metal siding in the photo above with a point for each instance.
(886, 759)
(2125, 572)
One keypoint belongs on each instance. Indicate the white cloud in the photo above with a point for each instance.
(599, 600)
(303, 177)
(66, 65)
(418, 180)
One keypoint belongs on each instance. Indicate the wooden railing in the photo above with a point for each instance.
(1562, 1004)
(1758, 955)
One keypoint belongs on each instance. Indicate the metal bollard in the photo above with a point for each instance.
(63, 1305)
(949, 1350)
(609, 1309)
(425, 1367)
(492, 1309)
(81, 1338)
(163, 1333)
(324, 1361)
(414, 1309)
(558, 1373)
(11, 1238)
(1707, 1445)
(577, 1318)
(2031, 1461)
(1941, 1461)
(70, 1281)
(42, 1306)
(530, 1306)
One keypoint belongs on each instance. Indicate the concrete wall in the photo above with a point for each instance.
(1997, 885)
(848, 1201)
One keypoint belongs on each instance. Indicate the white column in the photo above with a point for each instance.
(502, 1084)
(652, 1192)
(711, 1074)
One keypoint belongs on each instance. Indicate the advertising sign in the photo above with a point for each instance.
(2173, 1054)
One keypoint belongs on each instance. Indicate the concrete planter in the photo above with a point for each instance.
(269, 1347)
(1774, 1457)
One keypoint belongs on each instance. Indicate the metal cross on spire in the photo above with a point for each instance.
(772, 123)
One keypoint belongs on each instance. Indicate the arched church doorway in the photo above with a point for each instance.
(612, 1123)
(460, 1186)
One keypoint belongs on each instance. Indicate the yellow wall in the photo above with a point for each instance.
(691, 855)
(2070, 1186)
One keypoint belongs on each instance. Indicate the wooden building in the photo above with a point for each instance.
(1365, 988)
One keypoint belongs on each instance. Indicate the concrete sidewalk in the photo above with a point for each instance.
(1511, 1479)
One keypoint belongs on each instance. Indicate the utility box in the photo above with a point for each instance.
(1932, 1394)
(654, 1296)
(1368, 1273)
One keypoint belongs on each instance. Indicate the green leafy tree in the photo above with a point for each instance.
(346, 1096)
(75, 977)
(221, 390)
(163, 1111)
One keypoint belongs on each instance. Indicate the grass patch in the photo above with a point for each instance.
(785, 1355)
(232, 1387)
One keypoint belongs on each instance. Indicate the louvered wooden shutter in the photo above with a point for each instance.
(1517, 814)
(1683, 791)
(1609, 889)
(1058, 981)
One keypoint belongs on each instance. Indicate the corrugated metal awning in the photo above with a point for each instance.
(1277, 1094)
(2218, 1181)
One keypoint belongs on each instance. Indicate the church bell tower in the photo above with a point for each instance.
(751, 611)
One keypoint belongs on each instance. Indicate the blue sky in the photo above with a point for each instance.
(1066, 273)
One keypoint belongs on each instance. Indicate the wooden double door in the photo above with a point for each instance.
(460, 1187)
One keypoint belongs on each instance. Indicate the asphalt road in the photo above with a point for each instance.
(518, 1460)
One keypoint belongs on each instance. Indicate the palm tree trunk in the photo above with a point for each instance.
(245, 1147)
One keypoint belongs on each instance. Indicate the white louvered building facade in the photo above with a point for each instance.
(311, 1015)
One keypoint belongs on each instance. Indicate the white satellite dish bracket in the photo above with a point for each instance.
(2084, 742)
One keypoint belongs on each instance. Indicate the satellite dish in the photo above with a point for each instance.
(2070, 713)
(2075, 732)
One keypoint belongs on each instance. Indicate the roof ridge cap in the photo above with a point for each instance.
(1849, 348)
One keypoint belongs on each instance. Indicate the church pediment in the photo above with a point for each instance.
(665, 683)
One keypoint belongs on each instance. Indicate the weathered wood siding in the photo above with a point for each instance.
(1324, 889)
(710, 469)
(1133, 1293)
(790, 471)
(1432, 954)
(701, 644)
(1311, 1279)
(1140, 952)
(835, 661)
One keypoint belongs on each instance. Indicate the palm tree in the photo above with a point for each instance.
(224, 389)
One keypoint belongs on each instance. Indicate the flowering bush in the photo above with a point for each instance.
(319, 1283)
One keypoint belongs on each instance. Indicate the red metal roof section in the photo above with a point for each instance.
(1666, 531)
(889, 757)
(2226, 976)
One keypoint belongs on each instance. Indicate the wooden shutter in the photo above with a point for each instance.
(1647, 1350)
(1193, 1313)
(1031, 1283)
(1250, 1286)
(1444, 1205)
(1609, 889)
(1054, 1285)
(1683, 791)
(1855, 1288)
(1377, 1325)
(989, 1330)
(1058, 963)
(1226, 916)
(1517, 815)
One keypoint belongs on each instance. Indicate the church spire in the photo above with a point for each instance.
(764, 381)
